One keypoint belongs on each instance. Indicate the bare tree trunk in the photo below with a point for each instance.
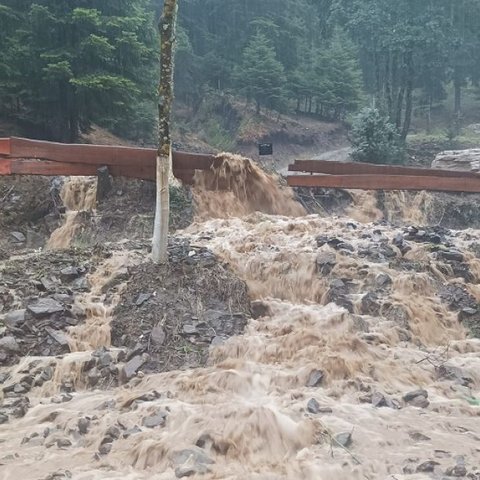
(166, 27)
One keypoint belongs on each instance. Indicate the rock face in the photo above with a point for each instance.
(465, 160)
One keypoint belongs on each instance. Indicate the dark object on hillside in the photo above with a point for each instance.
(265, 149)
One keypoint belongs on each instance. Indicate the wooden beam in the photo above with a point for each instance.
(387, 182)
(4, 146)
(5, 166)
(357, 168)
(98, 155)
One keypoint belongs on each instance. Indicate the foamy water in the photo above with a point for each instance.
(250, 405)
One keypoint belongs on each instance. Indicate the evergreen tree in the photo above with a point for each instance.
(261, 76)
(74, 66)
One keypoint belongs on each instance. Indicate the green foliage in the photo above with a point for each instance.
(260, 75)
(67, 67)
(375, 139)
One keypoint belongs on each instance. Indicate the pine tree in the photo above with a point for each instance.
(261, 76)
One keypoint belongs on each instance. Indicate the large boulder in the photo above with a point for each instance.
(465, 160)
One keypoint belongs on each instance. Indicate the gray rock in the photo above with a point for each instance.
(131, 431)
(315, 378)
(19, 388)
(313, 406)
(379, 400)
(188, 471)
(456, 471)
(105, 359)
(450, 372)
(59, 336)
(9, 344)
(408, 397)
(18, 237)
(192, 455)
(44, 307)
(260, 309)
(418, 437)
(153, 421)
(93, 376)
(419, 402)
(63, 443)
(48, 284)
(83, 424)
(450, 255)
(325, 262)
(383, 280)
(158, 335)
(70, 273)
(15, 318)
(3, 418)
(142, 298)
(344, 439)
(132, 366)
(105, 448)
(113, 432)
(428, 466)
(47, 374)
(370, 304)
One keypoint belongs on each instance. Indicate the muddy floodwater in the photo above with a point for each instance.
(359, 359)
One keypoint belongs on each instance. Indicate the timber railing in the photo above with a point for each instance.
(364, 176)
(33, 157)
(19, 156)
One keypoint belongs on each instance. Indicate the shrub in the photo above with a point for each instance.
(375, 139)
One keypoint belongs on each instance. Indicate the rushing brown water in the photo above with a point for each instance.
(250, 405)
(78, 195)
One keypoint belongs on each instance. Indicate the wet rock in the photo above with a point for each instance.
(313, 406)
(105, 359)
(105, 448)
(382, 280)
(458, 375)
(83, 425)
(450, 255)
(132, 366)
(260, 309)
(14, 319)
(9, 344)
(59, 336)
(428, 466)
(142, 298)
(131, 431)
(456, 471)
(191, 461)
(93, 376)
(63, 443)
(19, 388)
(158, 335)
(70, 273)
(325, 262)
(47, 374)
(45, 307)
(370, 304)
(418, 437)
(188, 471)
(153, 421)
(18, 237)
(379, 400)
(419, 402)
(398, 314)
(3, 418)
(113, 432)
(344, 439)
(408, 397)
(315, 378)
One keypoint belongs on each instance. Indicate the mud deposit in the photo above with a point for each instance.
(357, 360)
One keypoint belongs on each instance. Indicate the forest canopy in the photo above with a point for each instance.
(65, 64)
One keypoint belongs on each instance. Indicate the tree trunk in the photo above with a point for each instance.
(409, 97)
(458, 92)
(166, 27)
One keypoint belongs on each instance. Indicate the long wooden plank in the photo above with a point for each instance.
(5, 166)
(387, 182)
(20, 166)
(357, 168)
(99, 154)
(4, 146)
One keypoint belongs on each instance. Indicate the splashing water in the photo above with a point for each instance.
(246, 413)
(78, 195)
(236, 186)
